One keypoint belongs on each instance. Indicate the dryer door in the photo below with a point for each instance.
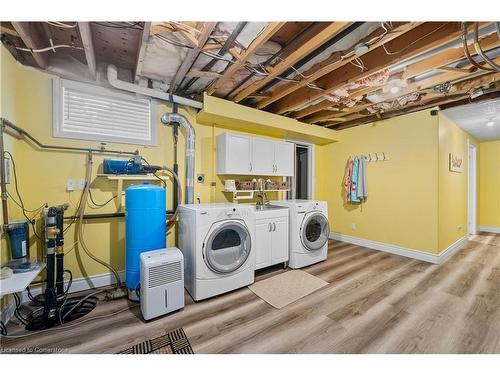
(314, 231)
(227, 246)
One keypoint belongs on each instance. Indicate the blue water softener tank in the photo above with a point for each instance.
(145, 228)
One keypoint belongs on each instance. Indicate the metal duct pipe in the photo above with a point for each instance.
(122, 85)
(169, 118)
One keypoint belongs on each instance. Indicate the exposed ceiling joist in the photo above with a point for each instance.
(192, 55)
(141, 51)
(32, 39)
(422, 39)
(258, 42)
(463, 86)
(433, 62)
(88, 46)
(334, 62)
(311, 42)
(202, 74)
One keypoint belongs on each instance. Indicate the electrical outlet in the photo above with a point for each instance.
(70, 184)
(81, 184)
(353, 226)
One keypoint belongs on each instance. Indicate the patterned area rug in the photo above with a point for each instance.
(173, 342)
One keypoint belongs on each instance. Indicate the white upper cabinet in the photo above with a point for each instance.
(244, 155)
(283, 158)
(234, 154)
(262, 156)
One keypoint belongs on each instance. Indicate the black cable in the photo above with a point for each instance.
(17, 313)
(99, 204)
(32, 222)
(3, 329)
(113, 25)
(154, 174)
(65, 295)
(77, 210)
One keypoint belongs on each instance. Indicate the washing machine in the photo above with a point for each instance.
(309, 231)
(217, 243)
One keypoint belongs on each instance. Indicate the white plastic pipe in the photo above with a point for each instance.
(122, 85)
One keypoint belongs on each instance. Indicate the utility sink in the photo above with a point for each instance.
(267, 207)
(269, 211)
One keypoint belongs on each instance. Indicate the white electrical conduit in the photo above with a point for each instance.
(122, 85)
(51, 48)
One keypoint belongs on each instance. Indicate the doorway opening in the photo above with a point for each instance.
(472, 189)
(302, 183)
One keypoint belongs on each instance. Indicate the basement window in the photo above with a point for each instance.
(93, 113)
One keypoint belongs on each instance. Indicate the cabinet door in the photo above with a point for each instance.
(280, 240)
(262, 244)
(284, 158)
(262, 157)
(237, 154)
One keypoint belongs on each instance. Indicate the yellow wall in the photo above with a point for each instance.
(489, 184)
(453, 186)
(402, 203)
(27, 101)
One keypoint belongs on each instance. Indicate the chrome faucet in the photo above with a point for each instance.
(261, 199)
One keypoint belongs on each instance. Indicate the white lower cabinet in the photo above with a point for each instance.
(272, 239)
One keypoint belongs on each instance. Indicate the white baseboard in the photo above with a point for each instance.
(402, 251)
(83, 283)
(489, 229)
(8, 311)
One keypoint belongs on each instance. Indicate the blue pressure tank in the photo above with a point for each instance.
(145, 228)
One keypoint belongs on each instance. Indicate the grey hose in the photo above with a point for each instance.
(81, 240)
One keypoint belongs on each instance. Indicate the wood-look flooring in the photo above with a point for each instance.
(375, 303)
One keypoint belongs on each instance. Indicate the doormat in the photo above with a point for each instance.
(285, 288)
(173, 342)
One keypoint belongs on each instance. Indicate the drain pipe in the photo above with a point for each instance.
(126, 86)
(172, 118)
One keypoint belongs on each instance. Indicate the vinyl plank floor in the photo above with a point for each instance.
(374, 303)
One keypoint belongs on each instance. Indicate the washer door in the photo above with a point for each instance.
(227, 246)
(314, 231)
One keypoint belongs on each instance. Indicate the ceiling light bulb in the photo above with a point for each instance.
(394, 89)
(490, 123)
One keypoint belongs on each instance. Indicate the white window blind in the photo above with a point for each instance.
(90, 112)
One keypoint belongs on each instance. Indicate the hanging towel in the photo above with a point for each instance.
(362, 192)
(354, 181)
(348, 180)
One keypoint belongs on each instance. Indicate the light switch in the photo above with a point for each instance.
(70, 184)
(81, 184)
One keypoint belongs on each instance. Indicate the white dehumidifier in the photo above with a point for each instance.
(162, 282)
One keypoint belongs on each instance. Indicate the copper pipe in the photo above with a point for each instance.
(3, 182)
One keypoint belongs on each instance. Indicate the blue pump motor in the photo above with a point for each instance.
(145, 228)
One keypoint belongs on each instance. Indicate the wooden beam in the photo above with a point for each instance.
(202, 73)
(258, 42)
(314, 39)
(334, 61)
(433, 62)
(192, 55)
(32, 39)
(459, 88)
(447, 57)
(88, 45)
(422, 39)
(141, 50)
(7, 29)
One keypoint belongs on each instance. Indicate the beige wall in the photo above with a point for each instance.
(453, 186)
(402, 200)
(489, 184)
